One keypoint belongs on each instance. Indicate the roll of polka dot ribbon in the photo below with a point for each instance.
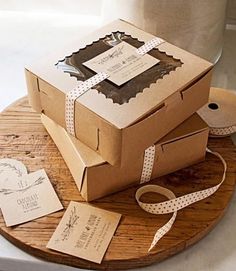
(173, 204)
(220, 112)
(226, 131)
(83, 87)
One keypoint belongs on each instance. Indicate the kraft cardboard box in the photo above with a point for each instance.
(119, 118)
(96, 178)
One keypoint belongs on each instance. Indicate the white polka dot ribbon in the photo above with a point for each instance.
(226, 131)
(148, 46)
(148, 162)
(83, 87)
(174, 204)
(74, 94)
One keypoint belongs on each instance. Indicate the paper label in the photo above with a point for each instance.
(121, 63)
(84, 231)
(10, 171)
(31, 197)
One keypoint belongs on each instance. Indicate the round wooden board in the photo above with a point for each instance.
(23, 137)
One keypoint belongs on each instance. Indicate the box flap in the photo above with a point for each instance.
(190, 126)
(88, 157)
(125, 114)
(33, 91)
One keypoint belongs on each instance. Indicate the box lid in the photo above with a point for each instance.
(190, 126)
(145, 102)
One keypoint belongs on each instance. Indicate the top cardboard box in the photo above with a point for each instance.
(128, 112)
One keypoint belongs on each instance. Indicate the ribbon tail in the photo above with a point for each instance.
(162, 231)
(174, 204)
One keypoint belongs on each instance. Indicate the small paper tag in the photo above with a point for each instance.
(32, 197)
(121, 63)
(84, 231)
(10, 171)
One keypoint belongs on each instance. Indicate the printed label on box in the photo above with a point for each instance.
(121, 62)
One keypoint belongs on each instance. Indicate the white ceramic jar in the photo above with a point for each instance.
(194, 25)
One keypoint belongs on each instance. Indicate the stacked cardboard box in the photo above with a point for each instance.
(116, 121)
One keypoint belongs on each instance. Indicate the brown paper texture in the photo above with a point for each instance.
(108, 127)
(31, 197)
(84, 231)
(96, 178)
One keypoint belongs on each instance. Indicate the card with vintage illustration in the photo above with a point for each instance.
(85, 231)
(24, 197)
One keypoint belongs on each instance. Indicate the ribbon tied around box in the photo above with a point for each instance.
(85, 86)
(173, 204)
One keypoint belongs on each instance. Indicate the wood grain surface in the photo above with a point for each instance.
(23, 137)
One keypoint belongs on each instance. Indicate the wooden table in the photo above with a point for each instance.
(23, 137)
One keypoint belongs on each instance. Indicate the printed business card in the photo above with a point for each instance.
(32, 196)
(121, 62)
(84, 231)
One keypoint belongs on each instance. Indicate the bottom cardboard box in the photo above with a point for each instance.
(96, 178)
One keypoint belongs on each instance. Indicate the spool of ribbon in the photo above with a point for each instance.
(220, 112)
(84, 86)
(223, 131)
(173, 204)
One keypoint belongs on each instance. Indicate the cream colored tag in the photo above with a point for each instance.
(10, 171)
(32, 197)
(121, 63)
(84, 231)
